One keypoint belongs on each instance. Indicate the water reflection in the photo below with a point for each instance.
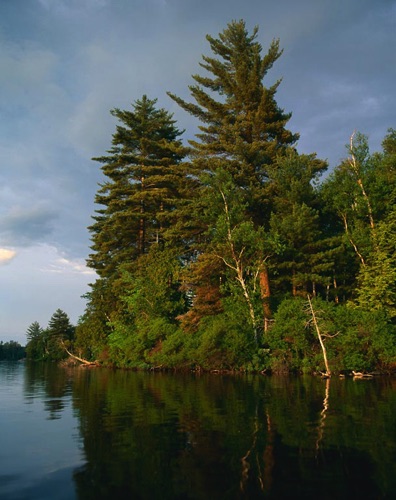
(165, 436)
(323, 414)
(39, 438)
(157, 435)
(45, 381)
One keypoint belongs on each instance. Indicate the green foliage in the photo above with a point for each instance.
(289, 340)
(36, 342)
(59, 326)
(377, 279)
(224, 341)
(91, 337)
(11, 350)
(152, 300)
(355, 339)
(142, 189)
(48, 344)
(194, 256)
(93, 327)
(367, 340)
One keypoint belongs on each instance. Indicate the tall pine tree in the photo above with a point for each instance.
(145, 183)
(142, 186)
(242, 130)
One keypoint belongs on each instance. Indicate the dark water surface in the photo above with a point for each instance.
(98, 434)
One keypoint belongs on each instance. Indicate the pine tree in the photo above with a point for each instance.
(36, 342)
(34, 331)
(142, 188)
(141, 201)
(242, 130)
(59, 326)
(295, 220)
(242, 126)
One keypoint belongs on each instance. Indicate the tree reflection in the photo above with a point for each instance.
(162, 435)
(182, 436)
(45, 381)
(323, 414)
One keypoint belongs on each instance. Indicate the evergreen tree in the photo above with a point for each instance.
(142, 199)
(242, 126)
(59, 326)
(34, 331)
(11, 350)
(243, 130)
(142, 188)
(36, 346)
(295, 220)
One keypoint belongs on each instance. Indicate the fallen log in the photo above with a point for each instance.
(361, 375)
(77, 358)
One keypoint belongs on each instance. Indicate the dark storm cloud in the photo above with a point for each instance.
(21, 227)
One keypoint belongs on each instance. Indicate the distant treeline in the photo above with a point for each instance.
(11, 350)
(235, 252)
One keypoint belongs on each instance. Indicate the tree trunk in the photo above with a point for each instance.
(265, 296)
(142, 222)
(238, 268)
(81, 360)
(336, 300)
(315, 322)
(294, 287)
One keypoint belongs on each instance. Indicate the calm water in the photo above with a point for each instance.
(96, 434)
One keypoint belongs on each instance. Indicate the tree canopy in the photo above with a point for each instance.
(234, 252)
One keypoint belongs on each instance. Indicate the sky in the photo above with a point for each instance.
(64, 64)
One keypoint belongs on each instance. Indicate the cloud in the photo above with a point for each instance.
(36, 282)
(26, 226)
(6, 255)
(26, 72)
(63, 265)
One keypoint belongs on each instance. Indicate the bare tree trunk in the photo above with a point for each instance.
(344, 218)
(238, 268)
(81, 360)
(315, 322)
(355, 168)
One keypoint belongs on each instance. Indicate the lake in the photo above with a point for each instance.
(81, 433)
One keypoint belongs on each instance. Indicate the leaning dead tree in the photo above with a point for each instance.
(77, 358)
(314, 321)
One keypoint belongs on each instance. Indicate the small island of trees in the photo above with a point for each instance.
(235, 252)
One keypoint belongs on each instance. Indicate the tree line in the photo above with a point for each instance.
(51, 343)
(208, 254)
(11, 351)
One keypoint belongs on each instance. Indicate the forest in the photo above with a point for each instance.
(233, 251)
